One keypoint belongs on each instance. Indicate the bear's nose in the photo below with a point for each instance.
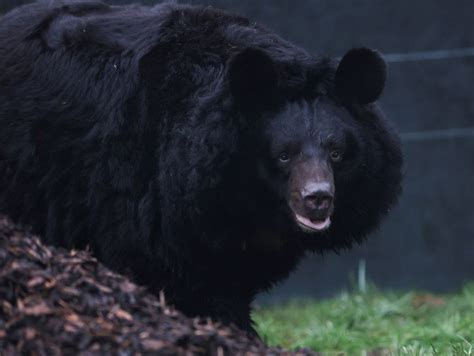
(318, 202)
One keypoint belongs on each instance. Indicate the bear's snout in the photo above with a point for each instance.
(318, 204)
(312, 195)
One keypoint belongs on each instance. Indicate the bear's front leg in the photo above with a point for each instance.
(225, 309)
(234, 310)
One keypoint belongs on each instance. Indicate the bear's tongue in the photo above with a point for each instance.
(313, 226)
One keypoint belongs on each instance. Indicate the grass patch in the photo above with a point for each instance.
(374, 323)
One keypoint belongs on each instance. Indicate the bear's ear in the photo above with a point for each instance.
(361, 76)
(252, 78)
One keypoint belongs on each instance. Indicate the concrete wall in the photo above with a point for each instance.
(428, 242)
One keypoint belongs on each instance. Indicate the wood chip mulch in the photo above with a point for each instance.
(56, 302)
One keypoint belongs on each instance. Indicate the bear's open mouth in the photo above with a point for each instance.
(308, 225)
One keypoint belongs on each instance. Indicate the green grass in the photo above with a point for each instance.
(374, 323)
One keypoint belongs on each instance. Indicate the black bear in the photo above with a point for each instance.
(189, 148)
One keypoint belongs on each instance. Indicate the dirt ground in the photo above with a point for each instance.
(56, 302)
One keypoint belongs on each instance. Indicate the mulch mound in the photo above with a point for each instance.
(54, 301)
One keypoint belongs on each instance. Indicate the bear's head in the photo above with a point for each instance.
(326, 157)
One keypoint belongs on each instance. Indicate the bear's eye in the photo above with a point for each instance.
(284, 157)
(336, 155)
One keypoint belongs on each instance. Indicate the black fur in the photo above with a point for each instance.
(147, 134)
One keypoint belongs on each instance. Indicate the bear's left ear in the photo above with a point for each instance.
(361, 76)
(252, 78)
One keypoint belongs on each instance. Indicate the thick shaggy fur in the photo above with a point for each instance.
(122, 129)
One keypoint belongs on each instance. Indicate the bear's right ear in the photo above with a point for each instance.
(253, 78)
